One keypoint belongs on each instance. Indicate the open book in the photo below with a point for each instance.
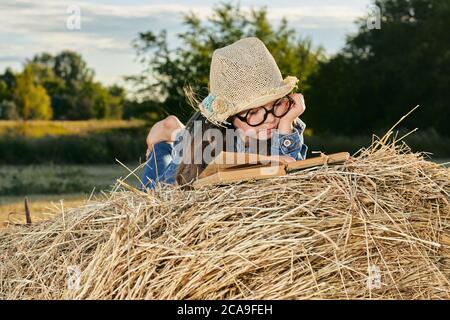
(233, 167)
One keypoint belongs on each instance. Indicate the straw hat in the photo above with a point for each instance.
(243, 75)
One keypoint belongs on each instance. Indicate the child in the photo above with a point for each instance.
(249, 97)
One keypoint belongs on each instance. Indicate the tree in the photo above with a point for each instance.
(74, 93)
(68, 66)
(381, 74)
(8, 110)
(65, 76)
(4, 93)
(31, 99)
(116, 101)
(167, 71)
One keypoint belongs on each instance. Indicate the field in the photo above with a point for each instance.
(63, 163)
(54, 161)
(72, 142)
(53, 185)
(12, 208)
(38, 129)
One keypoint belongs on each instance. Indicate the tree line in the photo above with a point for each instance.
(376, 78)
(382, 74)
(58, 87)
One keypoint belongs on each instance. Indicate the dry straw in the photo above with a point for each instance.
(376, 227)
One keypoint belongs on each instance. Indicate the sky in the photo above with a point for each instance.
(29, 27)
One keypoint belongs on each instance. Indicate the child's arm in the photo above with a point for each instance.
(288, 140)
(291, 144)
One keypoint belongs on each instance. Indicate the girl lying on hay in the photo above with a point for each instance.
(249, 104)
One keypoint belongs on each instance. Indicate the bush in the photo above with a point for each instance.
(422, 141)
(99, 148)
(128, 145)
(8, 110)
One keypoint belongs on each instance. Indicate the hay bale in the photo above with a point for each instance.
(375, 227)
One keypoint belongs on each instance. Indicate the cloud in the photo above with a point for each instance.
(13, 59)
(47, 16)
(28, 27)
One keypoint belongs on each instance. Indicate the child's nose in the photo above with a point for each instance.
(270, 117)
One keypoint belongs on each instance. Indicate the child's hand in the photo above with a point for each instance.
(286, 123)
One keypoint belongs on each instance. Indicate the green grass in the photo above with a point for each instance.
(38, 128)
(127, 145)
(59, 179)
(72, 142)
(50, 186)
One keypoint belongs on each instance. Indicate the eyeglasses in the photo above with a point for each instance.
(258, 116)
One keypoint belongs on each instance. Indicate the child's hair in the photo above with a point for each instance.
(187, 172)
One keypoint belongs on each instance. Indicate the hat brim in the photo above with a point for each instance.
(288, 84)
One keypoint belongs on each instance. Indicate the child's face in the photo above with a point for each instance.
(264, 131)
